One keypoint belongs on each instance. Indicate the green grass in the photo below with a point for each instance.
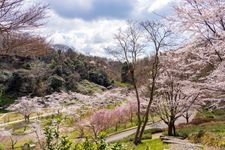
(127, 125)
(211, 134)
(121, 127)
(73, 135)
(152, 144)
(87, 87)
(13, 116)
(121, 84)
(214, 127)
(21, 129)
(146, 136)
(216, 114)
(2, 147)
(113, 106)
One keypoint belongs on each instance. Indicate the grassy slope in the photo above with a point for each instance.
(87, 87)
(150, 144)
(211, 132)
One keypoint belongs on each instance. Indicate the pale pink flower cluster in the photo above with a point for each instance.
(105, 118)
(25, 106)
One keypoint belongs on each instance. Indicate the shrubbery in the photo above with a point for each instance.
(208, 138)
(52, 73)
(99, 77)
(56, 83)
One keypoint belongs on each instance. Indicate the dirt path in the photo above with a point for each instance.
(184, 146)
(32, 118)
(2, 116)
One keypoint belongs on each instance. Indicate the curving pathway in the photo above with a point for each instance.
(22, 120)
(160, 124)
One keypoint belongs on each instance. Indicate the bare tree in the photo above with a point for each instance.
(17, 16)
(158, 36)
(129, 48)
(24, 45)
(14, 16)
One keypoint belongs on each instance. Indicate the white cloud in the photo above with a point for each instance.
(86, 36)
(158, 4)
(92, 36)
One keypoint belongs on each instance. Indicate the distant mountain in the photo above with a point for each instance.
(62, 47)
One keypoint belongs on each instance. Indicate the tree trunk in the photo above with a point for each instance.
(13, 143)
(131, 118)
(187, 120)
(116, 127)
(146, 116)
(81, 132)
(170, 129)
(27, 118)
(187, 117)
(151, 96)
(174, 129)
(95, 134)
(136, 138)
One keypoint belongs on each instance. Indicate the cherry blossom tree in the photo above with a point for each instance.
(200, 65)
(25, 106)
(174, 99)
(39, 133)
(132, 109)
(176, 94)
(187, 115)
(99, 121)
(122, 113)
(204, 19)
(115, 119)
(214, 86)
(81, 124)
(8, 133)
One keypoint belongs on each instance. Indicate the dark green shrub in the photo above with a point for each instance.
(53, 64)
(56, 83)
(27, 66)
(72, 81)
(58, 70)
(99, 77)
(21, 83)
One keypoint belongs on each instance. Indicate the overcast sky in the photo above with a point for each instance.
(89, 25)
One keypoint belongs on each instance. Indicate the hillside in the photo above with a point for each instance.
(60, 70)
